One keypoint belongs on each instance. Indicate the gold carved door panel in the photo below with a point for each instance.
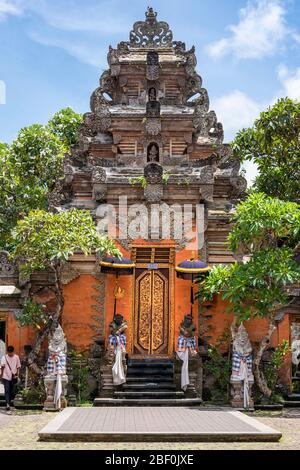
(151, 323)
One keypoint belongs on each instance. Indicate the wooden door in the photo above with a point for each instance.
(151, 316)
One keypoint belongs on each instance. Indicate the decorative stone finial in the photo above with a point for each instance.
(151, 33)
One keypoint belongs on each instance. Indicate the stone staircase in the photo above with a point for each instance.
(293, 400)
(2, 400)
(149, 382)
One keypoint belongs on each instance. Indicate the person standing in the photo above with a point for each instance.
(9, 373)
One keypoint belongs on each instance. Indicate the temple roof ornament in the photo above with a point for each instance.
(151, 32)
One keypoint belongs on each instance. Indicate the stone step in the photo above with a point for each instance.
(146, 379)
(162, 367)
(148, 386)
(293, 397)
(187, 402)
(149, 371)
(149, 363)
(296, 379)
(292, 403)
(149, 394)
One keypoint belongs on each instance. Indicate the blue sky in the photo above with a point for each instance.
(52, 53)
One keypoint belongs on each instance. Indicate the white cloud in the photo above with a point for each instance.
(10, 8)
(89, 52)
(290, 81)
(102, 17)
(75, 26)
(261, 30)
(236, 110)
(2, 92)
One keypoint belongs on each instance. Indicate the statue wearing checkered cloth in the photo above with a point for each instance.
(117, 349)
(56, 379)
(186, 346)
(56, 364)
(241, 376)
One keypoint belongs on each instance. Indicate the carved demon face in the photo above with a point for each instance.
(188, 320)
(57, 343)
(118, 319)
(241, 342)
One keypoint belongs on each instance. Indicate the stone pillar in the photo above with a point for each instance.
(237, 394)
(50, 384)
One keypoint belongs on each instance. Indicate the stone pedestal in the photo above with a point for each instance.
(50, 384)
(194, 389)
(237, 394)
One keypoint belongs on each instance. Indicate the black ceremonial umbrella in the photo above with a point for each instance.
(117, 266)
(189, 269)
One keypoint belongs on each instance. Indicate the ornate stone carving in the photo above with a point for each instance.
(295, 343)
(154, 193)
(98, 175)
(152, 69)
(108, 82)
(207, 192)
(117, 330)
(99, 192)
(153, 173)
(113, 61)
(239, 186)
(50, 387)
(153, 126)
(99, 186)
(201, 103)
(57, 342)
(100, 108)
(241, 377)
(153, 109)
(152, 72)
(151, 33)
(56, 379)
(207, 125)
(191, 61)
(187, 327)
(68, 274)
(193, 86)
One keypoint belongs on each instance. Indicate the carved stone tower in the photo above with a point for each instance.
(151, 139)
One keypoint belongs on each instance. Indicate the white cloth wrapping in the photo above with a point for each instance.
(184, 356)
(2, 349)
(244, 377)
(58, 391)
(118, 369)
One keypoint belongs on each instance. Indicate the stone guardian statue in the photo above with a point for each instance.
(56, 379)
(242, 376)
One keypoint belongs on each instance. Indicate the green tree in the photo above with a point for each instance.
(273, 143)
(265, 237)
(64, 124)
(45, 241)
(30, 166)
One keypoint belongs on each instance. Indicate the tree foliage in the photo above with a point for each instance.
(64, 124)
(44, 239)
(30, 166)
(266, 230)
(265, 236)
(273, 143)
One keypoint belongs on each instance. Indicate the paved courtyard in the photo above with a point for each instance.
(155, 424)
(20, 431)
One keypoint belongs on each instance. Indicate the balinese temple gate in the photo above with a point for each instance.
(151, 166)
